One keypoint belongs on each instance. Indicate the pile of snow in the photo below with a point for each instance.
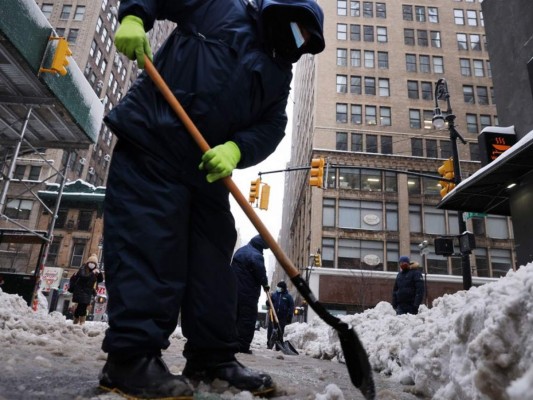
(470, 345)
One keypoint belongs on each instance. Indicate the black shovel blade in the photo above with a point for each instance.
(355, 355)
(287, 348)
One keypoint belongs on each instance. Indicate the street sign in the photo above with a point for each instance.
(469, 215)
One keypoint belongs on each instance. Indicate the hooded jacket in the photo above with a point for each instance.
(220, 66)
(408, 292)
(249, 266)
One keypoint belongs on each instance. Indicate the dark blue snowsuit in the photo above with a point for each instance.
(249, 266)
(169, 234)
(408, 291)
(284, 306)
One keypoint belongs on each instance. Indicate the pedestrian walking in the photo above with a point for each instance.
(83, 287)
(249, 266)
(284, 305)
(408, 291)
(169, 232)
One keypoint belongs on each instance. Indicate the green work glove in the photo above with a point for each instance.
(266, 287)
(220, 161)
(131, 39)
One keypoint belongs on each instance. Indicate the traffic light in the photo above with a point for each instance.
(265, 195)
(59, 60)
(317, 172)
(254, 190)
(446, 171)
(317, 260)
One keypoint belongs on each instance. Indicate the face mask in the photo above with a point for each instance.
(91, 265)
(278, 289)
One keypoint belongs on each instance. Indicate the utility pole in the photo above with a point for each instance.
(441, 93)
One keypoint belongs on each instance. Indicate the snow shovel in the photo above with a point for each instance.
(276, 338)
(355, 355)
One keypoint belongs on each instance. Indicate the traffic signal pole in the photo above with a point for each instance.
(441, 92)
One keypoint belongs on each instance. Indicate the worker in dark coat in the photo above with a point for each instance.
(284, 305)
(169, 231)
(249, 266)
(83, 287)
(408, 291)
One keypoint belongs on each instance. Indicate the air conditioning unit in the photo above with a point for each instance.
(107, 157)
(91, 170)
(83, 161)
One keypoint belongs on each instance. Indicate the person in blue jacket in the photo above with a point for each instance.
(408, 291)
(169, 233)
(249, 266)
(284, 305)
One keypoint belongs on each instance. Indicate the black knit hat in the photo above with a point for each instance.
(282, 285)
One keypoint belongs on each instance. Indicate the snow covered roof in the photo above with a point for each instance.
(487, 190)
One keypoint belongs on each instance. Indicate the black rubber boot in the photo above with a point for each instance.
(233, 372)
(143, 377)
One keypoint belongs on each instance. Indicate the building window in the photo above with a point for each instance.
(84, 220)
(341, 57)
(341, 7)
(434, 221)
(384, 87)
(328, 212)
(420, 13)
(462, 42)
(479, 69)
(484, 121)
(475, 42)
(80, 13)
(47, 9)
(342, 83)
(385, 118)
(342, 113)
(368, 32)
(445, 149)
(72, 35)
(76, 259)
(407, 12)
(352, 214)
(410, 62)
(370, 115)
(355, 33)
(386, 145)
(356, 116)
(422, 37)
(328, 252)
(369, 59)
(371, 143)
(342, 141)
(471, 17)
(474, 151)
(415, 214)
(370, 85)
(355, 85)
(427, 90)
(357, 142)
(412, 89)
(459, 17)
(438, 65)
(431, 148)
(342, 31)
(19, 172)
(425, 65)
(414, 119)
(381, 33)
(355, 58)
(500, 262)
(18, 209)
(468, 94)
(355, 8)
(381, 10)
(383, 60)
(435, 39)
(416, 147)
(368, 11)
(35, 173)
(433, 15)
(53, 251)
(471, 123)
(464, 64)
(482, 95)
(409, 37)
(65, 12)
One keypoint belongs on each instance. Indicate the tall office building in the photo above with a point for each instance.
(366, 105)
(89, 27)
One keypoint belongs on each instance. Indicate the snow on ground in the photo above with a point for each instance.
(474, 344)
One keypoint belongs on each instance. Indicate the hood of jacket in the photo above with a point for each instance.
(258, 243)
(275, 17)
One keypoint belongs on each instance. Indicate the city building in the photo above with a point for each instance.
(366, 105)
(73, 173)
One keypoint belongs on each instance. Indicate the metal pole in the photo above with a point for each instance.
(441, 91)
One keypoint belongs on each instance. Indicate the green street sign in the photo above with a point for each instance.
(469, 215)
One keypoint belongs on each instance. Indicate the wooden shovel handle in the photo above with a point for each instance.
(280, 255)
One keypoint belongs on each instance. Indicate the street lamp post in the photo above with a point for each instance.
(439, 120)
